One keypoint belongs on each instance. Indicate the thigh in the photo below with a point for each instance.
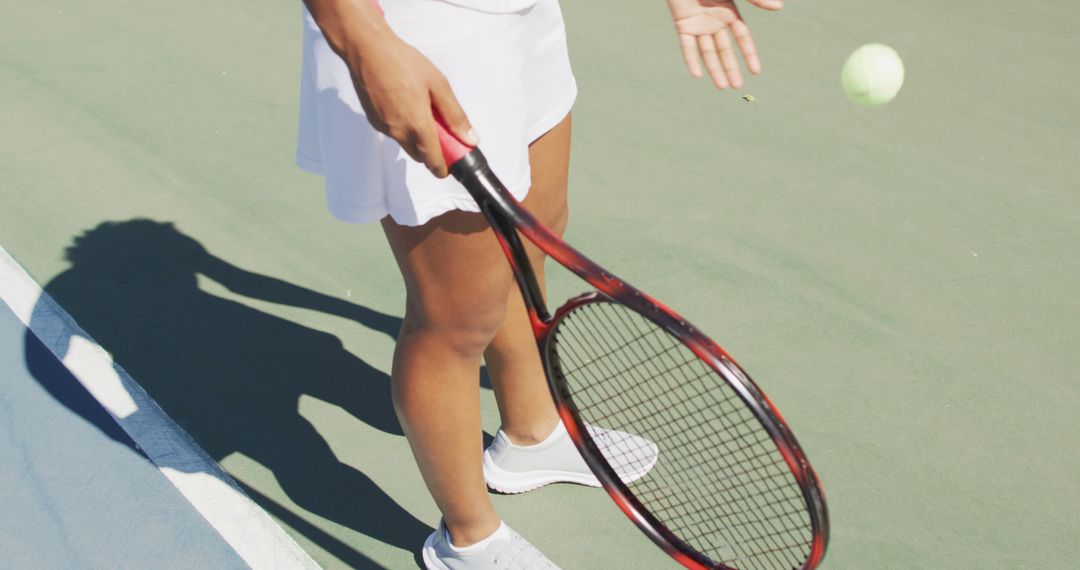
(455, 272)
(453, 269)
(549, 157)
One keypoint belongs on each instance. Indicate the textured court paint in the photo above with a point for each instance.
(254, 537)
(900, 280)
(75, 493)
(512, 224)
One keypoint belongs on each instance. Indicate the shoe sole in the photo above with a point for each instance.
(428, 554)
(512, 483)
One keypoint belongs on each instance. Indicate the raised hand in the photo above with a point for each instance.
(706, 27)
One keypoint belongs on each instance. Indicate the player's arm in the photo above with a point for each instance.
(714, 29)
(398, 87)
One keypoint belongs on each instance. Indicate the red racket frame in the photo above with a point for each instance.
(506, 215)
(508, 218)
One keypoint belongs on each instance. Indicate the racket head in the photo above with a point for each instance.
(782, 516)
(802, 491)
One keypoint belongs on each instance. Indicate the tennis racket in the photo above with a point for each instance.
(685, 443)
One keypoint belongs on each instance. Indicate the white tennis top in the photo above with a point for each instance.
(494, 6)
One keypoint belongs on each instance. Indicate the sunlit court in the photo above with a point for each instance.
(873, 208)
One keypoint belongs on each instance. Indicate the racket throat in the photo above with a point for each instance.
(523, 270)
(495, 201)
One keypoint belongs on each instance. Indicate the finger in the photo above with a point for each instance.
(728, 59)
(690, 54)
(746, 45)
(409, 145)
(444, 102)
(712, 61)
(428, 146)
(768, 4)
(424, 142)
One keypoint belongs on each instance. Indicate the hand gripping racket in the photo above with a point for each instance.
(685, 443)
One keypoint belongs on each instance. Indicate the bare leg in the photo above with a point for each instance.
(528, 415)
(457, 281)
(452, 268)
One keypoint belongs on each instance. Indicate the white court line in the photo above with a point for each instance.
(246, 527)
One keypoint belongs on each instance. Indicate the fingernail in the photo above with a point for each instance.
(472, 138)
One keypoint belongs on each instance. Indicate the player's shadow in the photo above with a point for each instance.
(231, 375)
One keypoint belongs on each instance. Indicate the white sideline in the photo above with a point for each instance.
(246, 527)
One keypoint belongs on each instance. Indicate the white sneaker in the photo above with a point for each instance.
(503, 550)
(511, 468)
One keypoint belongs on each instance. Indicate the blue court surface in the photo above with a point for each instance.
(76, 491)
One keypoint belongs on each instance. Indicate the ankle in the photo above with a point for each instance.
(463, 534)
(531, 434)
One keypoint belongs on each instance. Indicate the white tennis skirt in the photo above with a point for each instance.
(509, 70)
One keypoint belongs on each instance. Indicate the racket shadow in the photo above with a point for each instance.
(231, 375)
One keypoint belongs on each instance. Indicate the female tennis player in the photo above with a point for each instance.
(498, 73)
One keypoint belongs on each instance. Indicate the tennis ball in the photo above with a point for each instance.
(872, 75)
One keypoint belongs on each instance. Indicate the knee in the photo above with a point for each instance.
(464, 323)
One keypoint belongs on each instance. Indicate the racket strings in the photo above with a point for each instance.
(747, 518)
(691, 413)
(744, 429)
(706, 526)
(719, 483)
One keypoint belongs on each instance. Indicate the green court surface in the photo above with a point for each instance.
(903, 281)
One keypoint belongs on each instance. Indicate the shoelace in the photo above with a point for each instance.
(521, 554)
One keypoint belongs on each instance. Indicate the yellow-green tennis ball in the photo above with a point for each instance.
(872, 75)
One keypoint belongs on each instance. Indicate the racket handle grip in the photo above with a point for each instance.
(453, 149)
